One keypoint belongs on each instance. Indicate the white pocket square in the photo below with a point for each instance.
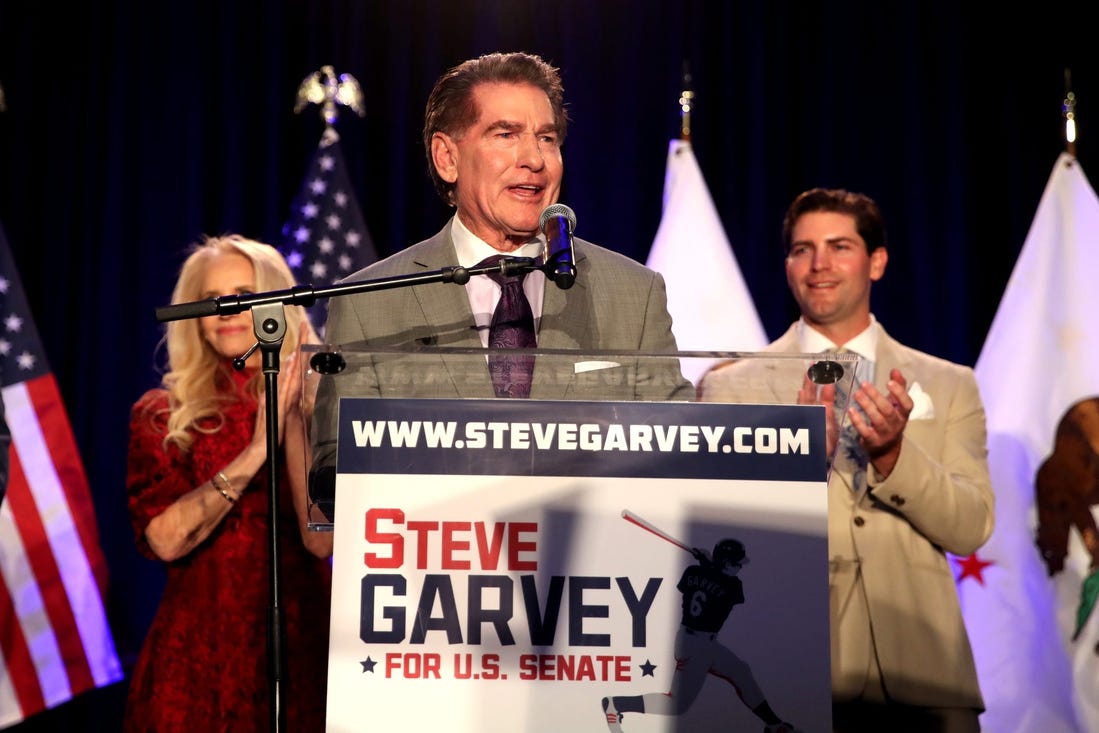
(922, 407)
(590, 366)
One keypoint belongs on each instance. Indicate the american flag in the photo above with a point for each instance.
(326, 238)
(55, 642)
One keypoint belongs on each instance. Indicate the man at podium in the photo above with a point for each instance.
(492, 134)
(493, 131)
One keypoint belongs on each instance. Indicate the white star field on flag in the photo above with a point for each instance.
(19, 344)
(325, 238)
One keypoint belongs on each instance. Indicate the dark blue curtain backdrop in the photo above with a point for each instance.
(134, 128)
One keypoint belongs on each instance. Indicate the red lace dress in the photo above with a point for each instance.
(203, 665)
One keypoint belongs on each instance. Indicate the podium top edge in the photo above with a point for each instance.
(844, 357)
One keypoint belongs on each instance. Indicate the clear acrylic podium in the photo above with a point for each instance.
(516, 561)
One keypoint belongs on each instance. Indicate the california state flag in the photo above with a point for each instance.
(1032, 620)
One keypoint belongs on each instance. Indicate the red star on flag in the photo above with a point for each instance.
(972, 567)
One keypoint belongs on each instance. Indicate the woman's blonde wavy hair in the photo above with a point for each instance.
(196, 376)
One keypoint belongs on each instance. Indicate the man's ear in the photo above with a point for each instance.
(444, 156)
(879, 258)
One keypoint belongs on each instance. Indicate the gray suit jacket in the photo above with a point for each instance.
(616, 306)
(891, 586)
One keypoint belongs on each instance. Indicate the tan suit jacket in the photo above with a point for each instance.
(893, 601)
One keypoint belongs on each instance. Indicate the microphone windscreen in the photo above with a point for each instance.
(557, 210)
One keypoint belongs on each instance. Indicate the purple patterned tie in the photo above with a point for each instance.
(512, 328)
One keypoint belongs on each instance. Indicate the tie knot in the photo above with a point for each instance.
(500, 277)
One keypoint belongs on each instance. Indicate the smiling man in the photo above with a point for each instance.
(508, 159)
(493, 131)
(909, 483)
(493, 134)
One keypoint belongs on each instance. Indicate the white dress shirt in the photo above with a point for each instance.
(483, 291)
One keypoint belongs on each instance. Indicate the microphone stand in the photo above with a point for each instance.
(269, 326)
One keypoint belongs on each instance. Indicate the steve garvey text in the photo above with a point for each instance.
(476, 584)
(471, 575)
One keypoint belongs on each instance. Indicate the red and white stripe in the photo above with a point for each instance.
(55, 641)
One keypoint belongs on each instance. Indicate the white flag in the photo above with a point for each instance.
(1041, 357)
(711, 307)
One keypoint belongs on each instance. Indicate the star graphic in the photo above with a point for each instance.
(368, 665)
(972, 567)
(647, 669)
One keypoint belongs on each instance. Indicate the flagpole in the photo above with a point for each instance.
(694, 256)
(686, 98)
(325, 237)
(1089, 586)
(1068, 110)
(325, 88)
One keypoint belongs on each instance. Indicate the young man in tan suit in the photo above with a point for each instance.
(901, 659)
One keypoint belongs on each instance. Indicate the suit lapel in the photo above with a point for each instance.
(565, 323)
(567, 315)
(439, 302)
(555, 331)
(891, 355)
(787, 343)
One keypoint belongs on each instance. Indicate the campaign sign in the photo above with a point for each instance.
(539, 566)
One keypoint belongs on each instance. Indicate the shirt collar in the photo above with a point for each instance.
(471, 249)
(811, 341)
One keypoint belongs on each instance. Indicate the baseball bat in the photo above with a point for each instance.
(649, 526)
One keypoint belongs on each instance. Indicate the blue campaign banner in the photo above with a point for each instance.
(566, 438)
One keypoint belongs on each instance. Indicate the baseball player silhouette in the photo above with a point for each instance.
(710, 590)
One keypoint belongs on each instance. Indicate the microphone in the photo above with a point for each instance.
(557, 222)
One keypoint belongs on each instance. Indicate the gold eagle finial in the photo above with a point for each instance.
(328, 90)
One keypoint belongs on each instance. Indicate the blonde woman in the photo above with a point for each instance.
(198, 499)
